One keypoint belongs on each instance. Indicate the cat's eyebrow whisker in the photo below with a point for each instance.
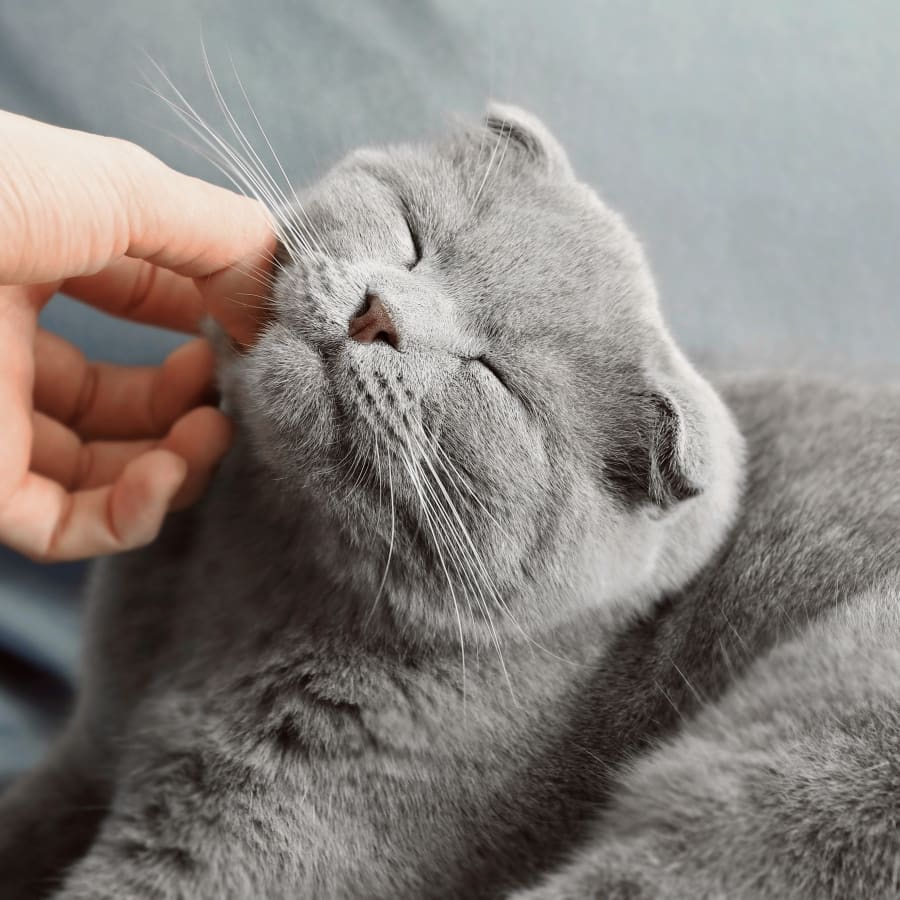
(484, 134)
(308, 225)
(235, 167)
(232, 170)
(220, 161)
(487, 171)
(484, 179)
(503, 153)
(265, 178)
(507, 132)
(253, 158)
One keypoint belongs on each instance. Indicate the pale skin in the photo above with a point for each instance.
(93, 456)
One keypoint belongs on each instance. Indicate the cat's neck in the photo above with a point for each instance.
(284, 568)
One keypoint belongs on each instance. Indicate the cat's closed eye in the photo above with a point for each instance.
(416, 244)
(491, 367)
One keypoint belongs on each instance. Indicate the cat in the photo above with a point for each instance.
(495, 595)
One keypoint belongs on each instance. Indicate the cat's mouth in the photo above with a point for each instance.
(378, 399)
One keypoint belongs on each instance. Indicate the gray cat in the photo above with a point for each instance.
(485, 601)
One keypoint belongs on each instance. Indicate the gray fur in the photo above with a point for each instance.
(593, 670)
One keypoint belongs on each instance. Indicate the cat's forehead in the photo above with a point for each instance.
(488, 212)
(463, 167)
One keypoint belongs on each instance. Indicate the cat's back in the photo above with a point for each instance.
(752, 718)
(817, 527)
(816, 530)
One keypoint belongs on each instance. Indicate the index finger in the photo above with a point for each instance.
(71, 203)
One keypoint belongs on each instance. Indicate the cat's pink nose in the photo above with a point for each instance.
(374, 324)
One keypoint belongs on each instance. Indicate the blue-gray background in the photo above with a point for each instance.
(753, 146)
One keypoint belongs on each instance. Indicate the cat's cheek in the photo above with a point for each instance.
(489, 437)
(281, 395)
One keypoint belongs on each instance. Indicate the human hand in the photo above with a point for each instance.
(92, 456)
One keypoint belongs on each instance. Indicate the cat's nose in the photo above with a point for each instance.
(374, 323)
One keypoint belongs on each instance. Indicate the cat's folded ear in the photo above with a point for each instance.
(530, 135)
(677, 451)
(665, 458)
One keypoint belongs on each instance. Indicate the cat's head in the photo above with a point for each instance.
(467, 374)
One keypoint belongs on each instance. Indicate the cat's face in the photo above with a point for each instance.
(462, 366)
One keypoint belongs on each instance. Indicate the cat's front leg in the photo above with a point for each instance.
(49, 816)
(787, 787)
(188, 824)
(618, 870)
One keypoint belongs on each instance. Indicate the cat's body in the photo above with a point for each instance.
(270, 710)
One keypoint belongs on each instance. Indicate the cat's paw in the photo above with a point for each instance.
(588, 888)
(585, 886)
(614, 870)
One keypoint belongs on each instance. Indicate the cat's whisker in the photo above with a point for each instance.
(378, 469)
(256, 272)
(469, 556)
(736, 633)
(670, 701)
(232, 299)
(687, 682)
(387, 564)
(460, 524)
(467, 567)
(411, 469)
(262, 282)
(460, 479)
(350, 474)
(496, 597)
(232, 169)
(251, 157)
(358, 469)
(226, 159)
(436, 506)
